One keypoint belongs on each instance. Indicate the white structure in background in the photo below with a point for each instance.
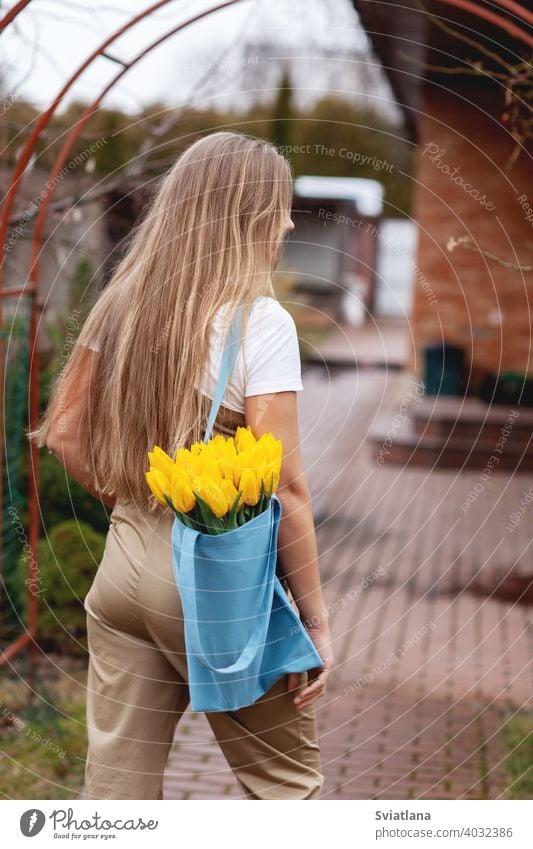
(347, 257)
(365, 195)
(352, 306)
(395, 267)
(333, 249)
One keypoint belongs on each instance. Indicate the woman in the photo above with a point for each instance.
(143, 372)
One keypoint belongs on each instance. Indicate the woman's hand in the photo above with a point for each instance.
(316, 678)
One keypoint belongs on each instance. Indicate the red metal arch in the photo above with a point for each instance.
(494, 18)
(516, 9)
(31, 290)
(12, 14)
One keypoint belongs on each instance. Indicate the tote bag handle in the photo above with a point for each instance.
(257, 637)
(229, 355)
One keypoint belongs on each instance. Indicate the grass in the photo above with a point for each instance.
(43, 739)
(518, 737)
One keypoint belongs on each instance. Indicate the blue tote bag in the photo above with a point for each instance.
(241, 631)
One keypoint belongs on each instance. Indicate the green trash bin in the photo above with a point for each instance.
(443, 369)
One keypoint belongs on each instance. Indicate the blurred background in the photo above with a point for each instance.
(408, 274)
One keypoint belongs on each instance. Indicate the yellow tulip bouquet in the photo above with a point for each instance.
(219, 485)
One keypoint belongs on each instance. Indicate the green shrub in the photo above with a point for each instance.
(518, 738)
(68, 561)
(62, 498)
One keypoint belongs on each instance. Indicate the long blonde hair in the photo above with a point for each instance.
(212, 235)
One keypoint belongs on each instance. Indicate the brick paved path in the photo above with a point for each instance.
(427, 670)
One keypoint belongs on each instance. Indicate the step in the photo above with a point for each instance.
(472, 419)
(440, 451)
(333, 363)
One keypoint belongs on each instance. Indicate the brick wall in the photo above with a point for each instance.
(458, 295)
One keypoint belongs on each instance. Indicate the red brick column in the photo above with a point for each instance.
(464, 186)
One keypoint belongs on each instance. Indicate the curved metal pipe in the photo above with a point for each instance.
(28, 638)
(516, 9)
(12, 14)
(492, 17)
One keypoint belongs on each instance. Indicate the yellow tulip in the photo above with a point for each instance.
(230, 492)
(231, 452)
(211, 464)
(257, 456)
(220, 446)
(241, 462)
(196, 465)
(267, 470)
(272, 477)
(270, 473)
(227, 468)
(160, 460)
(244, 438)
(250, 488)
(271, 447)
(197, 448)
(158, 483)
(211, 492)
(183, 455)
(181, 493)
(263, 473)
(226, 458)
(190, 463)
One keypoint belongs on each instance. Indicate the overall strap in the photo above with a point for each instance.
(229, 355)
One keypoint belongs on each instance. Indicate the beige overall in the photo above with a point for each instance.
(137, 678)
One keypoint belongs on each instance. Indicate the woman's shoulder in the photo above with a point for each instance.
(265, 311)
(267, 319)
(267, 308)
(271, 326)
(271, 350)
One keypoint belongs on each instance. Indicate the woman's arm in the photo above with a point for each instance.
(64, 433)
(297, 548)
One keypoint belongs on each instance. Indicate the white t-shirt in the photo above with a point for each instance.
(268, 361)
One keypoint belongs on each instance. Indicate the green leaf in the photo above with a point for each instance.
(212, 525)
(170, 504)
(231, 522)
(187, 520)
(260, 504)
